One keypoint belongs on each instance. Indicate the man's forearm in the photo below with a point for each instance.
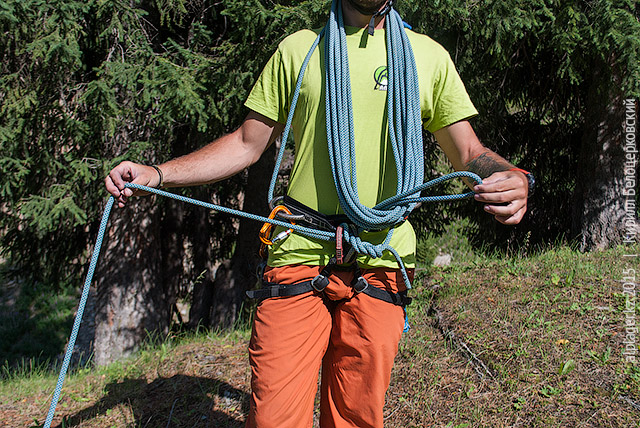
(213, 162)
(486, 163)
(225, 156)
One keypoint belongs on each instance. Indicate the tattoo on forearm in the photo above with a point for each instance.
(487, 163)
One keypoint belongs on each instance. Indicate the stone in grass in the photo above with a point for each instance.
(442, 260)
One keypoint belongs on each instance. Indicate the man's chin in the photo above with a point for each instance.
(367, 7)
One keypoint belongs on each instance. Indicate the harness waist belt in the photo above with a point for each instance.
(315, 218)
(271, 289)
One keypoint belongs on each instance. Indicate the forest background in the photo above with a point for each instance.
(86, 84)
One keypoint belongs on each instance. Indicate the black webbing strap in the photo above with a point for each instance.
(398, 299)
(360, 285)
(270, 289)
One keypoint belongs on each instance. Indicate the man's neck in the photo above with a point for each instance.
(353, 18)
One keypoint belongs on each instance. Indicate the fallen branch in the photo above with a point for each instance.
(478, 365)
(630, 402)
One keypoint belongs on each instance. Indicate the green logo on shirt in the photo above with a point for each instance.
(381, 76)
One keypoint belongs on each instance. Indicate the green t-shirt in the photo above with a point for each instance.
(444, 101)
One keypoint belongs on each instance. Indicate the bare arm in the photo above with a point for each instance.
(503, 191)
(216, 161)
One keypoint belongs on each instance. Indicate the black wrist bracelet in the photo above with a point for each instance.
(159, 186)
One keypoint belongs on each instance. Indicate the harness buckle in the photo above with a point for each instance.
(274, 291)
(360, 285)
(319, 283)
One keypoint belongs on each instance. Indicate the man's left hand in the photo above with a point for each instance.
(505, 195)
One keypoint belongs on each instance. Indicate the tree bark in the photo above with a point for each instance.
(598, 211)
(131, 299)
(234, 277)
(204, 261)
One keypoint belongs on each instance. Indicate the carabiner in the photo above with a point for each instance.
(265, 231)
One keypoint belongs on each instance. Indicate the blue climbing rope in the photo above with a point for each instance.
(328, 236)
(405, 133)
(81, 305)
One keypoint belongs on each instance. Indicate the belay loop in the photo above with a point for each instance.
(405, 133)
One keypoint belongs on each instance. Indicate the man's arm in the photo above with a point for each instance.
(499, 185)
(216, 161)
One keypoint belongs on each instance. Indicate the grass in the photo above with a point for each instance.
(495, 342)
(179, 377)
(549, 329)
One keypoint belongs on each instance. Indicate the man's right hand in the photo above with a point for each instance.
(129, 172)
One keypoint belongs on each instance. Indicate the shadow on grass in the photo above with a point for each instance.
(178, 401)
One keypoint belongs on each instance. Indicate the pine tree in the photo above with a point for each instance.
(87, 84)
(547, 77)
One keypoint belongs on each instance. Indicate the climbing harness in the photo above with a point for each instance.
(321, 281)
(405, 132)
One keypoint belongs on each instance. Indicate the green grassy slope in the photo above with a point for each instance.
(495, 342)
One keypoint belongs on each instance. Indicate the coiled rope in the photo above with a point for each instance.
(405, 132)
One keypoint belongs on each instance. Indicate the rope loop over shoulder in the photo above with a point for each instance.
(405, 133)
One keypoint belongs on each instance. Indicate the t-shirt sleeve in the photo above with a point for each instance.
(451, 102)
(270, 94)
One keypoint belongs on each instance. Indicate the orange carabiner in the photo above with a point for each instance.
(265, 231)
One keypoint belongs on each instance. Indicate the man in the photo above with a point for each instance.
(352, 336)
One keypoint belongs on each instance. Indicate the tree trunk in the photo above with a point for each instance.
(173, 228)
(234, 277)
(131, 299)
(599, 211)
(203, 261)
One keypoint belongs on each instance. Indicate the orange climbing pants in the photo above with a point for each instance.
(354, 338)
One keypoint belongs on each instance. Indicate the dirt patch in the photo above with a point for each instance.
(198, 385)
